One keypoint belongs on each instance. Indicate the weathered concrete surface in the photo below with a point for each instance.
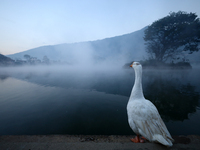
(91, 142)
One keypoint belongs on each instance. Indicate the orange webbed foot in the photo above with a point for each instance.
(137, 139)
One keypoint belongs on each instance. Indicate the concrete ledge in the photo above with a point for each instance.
(91, 142)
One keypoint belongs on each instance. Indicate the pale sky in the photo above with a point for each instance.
(26, 24)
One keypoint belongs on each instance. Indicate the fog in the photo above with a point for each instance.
(83, 65)
(79, 58)
(83, 73)
(87, 74)
(87, 90)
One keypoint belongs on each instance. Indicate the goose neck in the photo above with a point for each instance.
(137, 92)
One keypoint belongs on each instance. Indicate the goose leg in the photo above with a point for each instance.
(143, 138)
(137, 139)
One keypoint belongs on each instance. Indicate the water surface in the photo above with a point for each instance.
(68, 100)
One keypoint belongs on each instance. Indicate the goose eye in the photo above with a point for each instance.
(137, 64)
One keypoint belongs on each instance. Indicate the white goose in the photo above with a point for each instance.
(143, 117)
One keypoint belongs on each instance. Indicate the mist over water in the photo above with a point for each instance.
(89, 98)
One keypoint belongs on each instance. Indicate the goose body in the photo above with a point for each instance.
(143, 116)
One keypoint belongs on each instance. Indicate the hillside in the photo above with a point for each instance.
(5, 60)
(121, 48)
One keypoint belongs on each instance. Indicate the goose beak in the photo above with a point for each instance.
(131, 65)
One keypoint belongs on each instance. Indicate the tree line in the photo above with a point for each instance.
(32, 60)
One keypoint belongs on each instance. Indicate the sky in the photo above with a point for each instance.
(27, 24)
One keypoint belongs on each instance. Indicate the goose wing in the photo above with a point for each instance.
(150, 125)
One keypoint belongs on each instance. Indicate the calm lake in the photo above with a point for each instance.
(71, 100)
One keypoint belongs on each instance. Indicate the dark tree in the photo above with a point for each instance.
(27, 57)
(170, 36)
(46, 60)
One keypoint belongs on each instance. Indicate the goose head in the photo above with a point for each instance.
(135, 65)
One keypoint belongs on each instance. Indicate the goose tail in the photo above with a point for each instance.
(165, 141)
